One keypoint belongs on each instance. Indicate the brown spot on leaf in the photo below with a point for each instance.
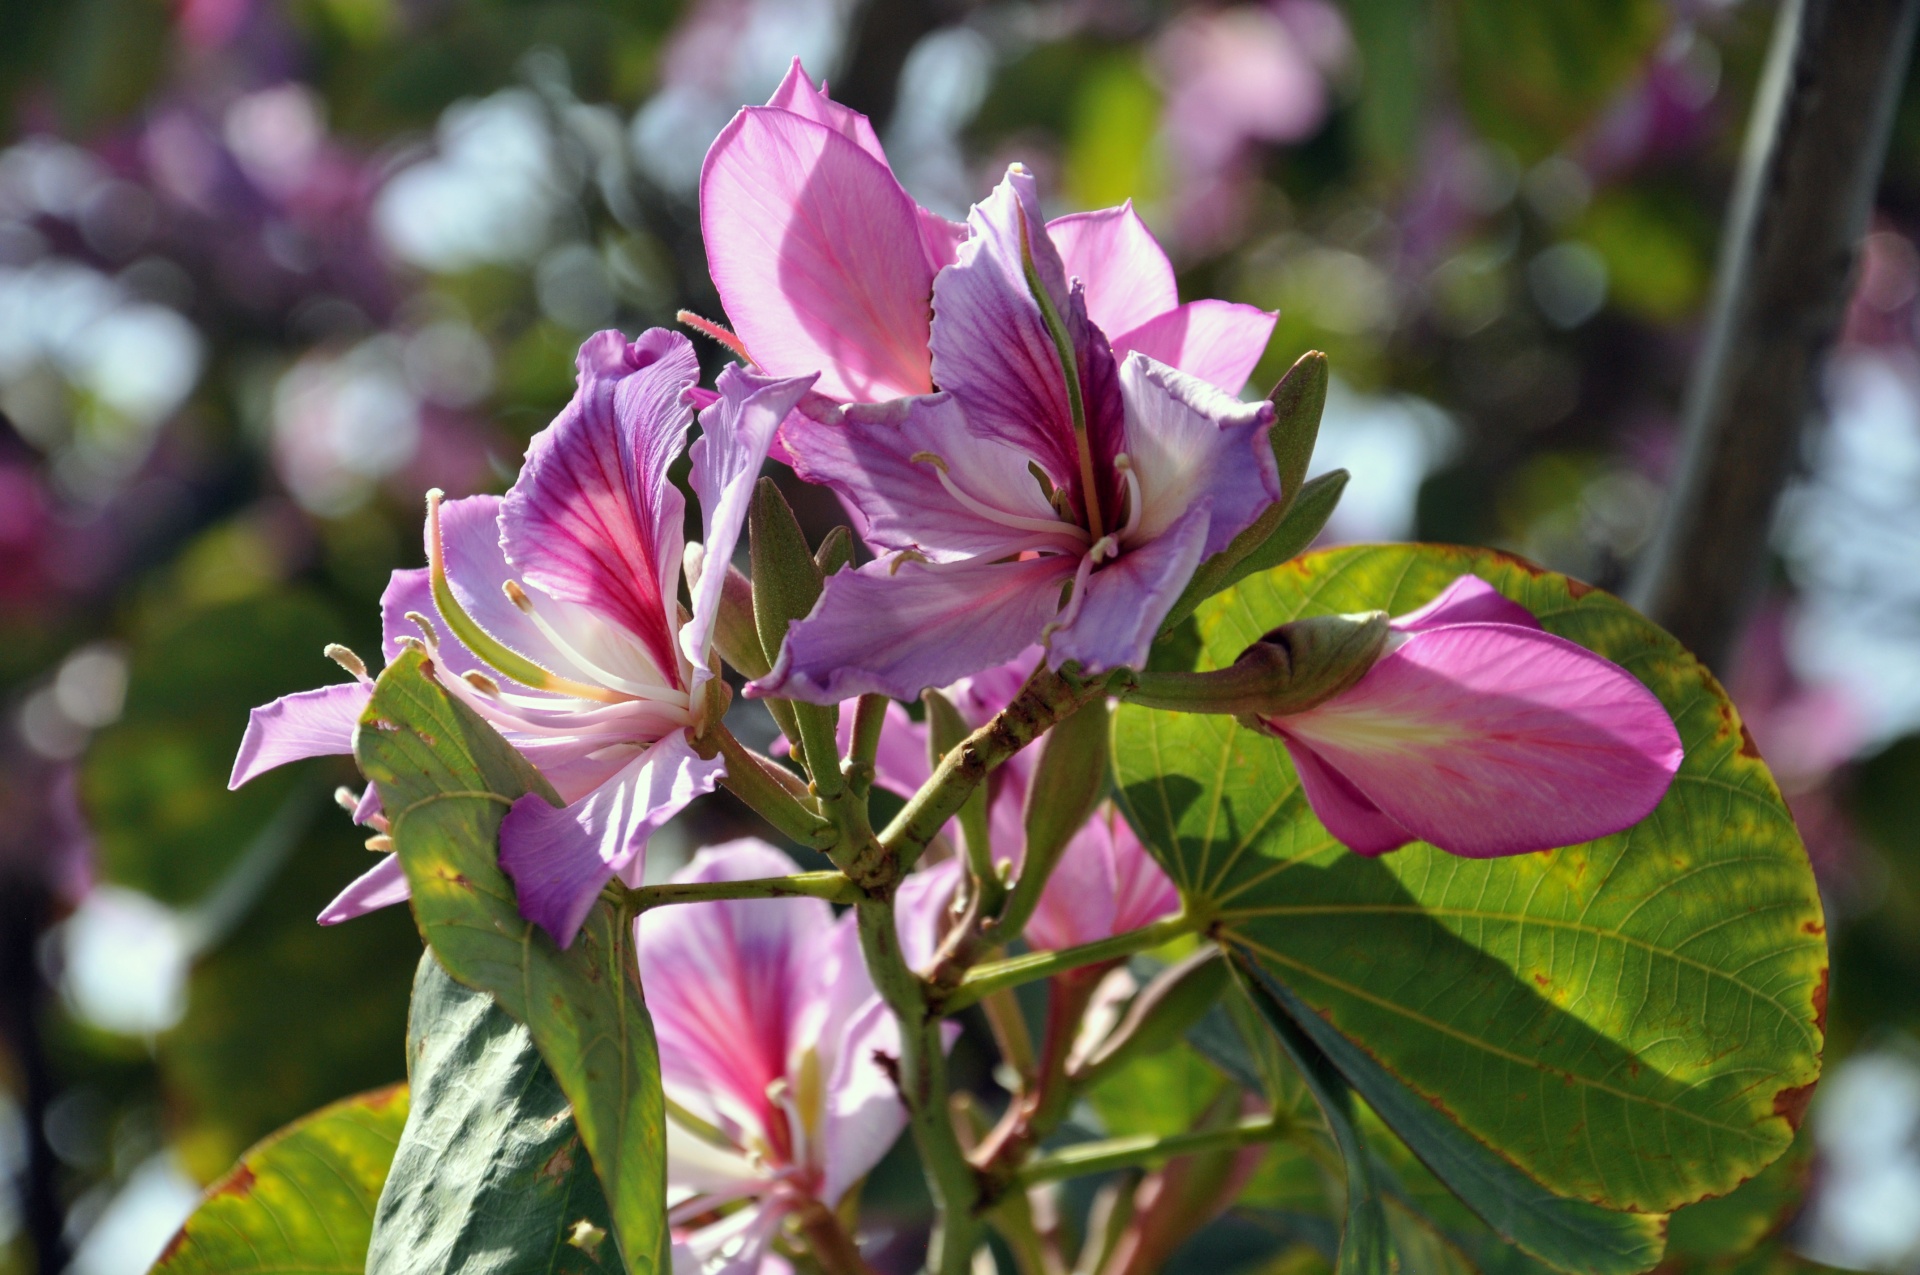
(1791, 1104)
(239, 1183)
(380, 723)
(1747, 747)
(1542, 980)
(173, 1246)
(1577, 589)
(1820, 1003)
(1812, 927)
(559, 1164)
(427, 739)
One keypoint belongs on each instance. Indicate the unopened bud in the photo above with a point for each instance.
(835, 551)
(786, 581)
(734, 633)
(1297, 666)
(1069, 779)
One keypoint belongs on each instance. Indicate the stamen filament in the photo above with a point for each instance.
(1103, 548)
(715, 331)
(482, 643)
(1045, 526)
(638, 690)
(1124, 463)
(1070, 368)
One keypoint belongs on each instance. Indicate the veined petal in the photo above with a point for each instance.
(921, 910)
(735, 433)
(1188, 440)
(798, 94)
(977, 499)
(593, 518)
(864, 1113)
(726, 982)
(1127, 277)
(993, 350)
(1491, 739)
(899, 626)
(382, 885)
(1218, 341)
(560, 856)
(318, 723)
(1354, 820)
(1122, 604)
(476, 570)
(1468, 600)
(819, 256)
(1105, 884)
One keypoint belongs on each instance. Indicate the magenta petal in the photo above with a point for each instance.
(1123, 603)
(867, 454)
(1491, 739)
(735, 433)
(305, 724)
(1105, 884)
(899, 626)
(798, 95)
(560, 856)
(819, 256)
(1468, 600)
(1218, 341)
(1354, 821)
(1191, 441)
(382, 885)
(921, 910)
(1127, 277)
(593, 518)
(993, 352)
(476, 570)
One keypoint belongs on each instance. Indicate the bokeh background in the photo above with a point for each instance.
(271, 268)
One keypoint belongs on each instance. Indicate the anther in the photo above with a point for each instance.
(380, 843)
(481, 682)
(347, 660)
(425, 626)
(346, 798)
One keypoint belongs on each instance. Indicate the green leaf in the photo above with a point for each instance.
(491, 1176)
(1366, 1244)
(301, 1201)
(1636, 1021)
(446, 780)
(1571, 1235)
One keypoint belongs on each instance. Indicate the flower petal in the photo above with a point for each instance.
(380, 886)
(877, 458)
(725, 983)
(864, 1113)
(920, 910)
(798, 95)
(1354, 821)
(1105, 884)
(1491, 739)
(593, 518)
(993, 352)
(1122, 604)
(560, 856)
(1468, 600)
(1188, 441)
(735, 433)
(899, 626)
(317, 723)
(818, 255)
(1127, 277)
(476, 570)
(1218, 341)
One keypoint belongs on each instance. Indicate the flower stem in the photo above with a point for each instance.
(834, 887)
(1126, 1153)
(828, 1241)
(1032, 966)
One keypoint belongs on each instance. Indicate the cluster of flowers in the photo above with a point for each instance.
(1084, 452)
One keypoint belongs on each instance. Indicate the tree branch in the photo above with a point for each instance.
(1814, 149)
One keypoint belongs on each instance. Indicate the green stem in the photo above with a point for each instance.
(747, 779)
(869, 715)
(923, 1086)
(1126, 1153)
(834, 887)
(1045, 699)
(1033, 966)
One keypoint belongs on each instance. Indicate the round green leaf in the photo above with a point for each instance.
(301, 1202)
(1636, 1021)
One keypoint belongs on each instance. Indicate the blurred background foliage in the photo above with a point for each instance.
(270, 268)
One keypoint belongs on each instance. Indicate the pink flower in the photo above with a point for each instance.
(565, 628)
(772, 1037)
(1105, 882)
(824, 262)
(1044, 470)
(1484, 735)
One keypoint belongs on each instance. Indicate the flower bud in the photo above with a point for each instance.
(1069, 779)
(786, 580)
(1295, 667)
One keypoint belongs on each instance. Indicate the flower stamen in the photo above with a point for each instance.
(1044, 526)
(626, 686)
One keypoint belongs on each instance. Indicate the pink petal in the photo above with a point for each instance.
(899, 626)
(874, 457)
(561, 856)
(726, 458)
(1128, 278)
(1122, 603)
(305, 724)
(864, 1113)
(993, 352)
(818, 255)
(921, 910)
(1190, 441)
(1218, 341)
(1468, 600)
(476, 570)
(380, 886)
(593, 518)
(1354, 821)
(1105, 884)
(798, 95)
(726, 981)
(1491, 739)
